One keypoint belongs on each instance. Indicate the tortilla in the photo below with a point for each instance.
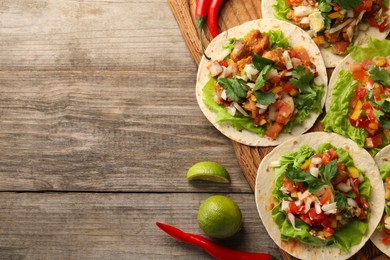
(265, 185)
(297, 37)
(381, 158)
(331, 60)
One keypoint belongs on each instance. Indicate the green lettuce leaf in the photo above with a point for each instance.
(385, 170)
(374, 48)
(277, 39)
(351, 234)
(281, 10)
(336, 120)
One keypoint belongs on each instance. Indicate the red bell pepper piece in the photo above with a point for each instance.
(212, 248)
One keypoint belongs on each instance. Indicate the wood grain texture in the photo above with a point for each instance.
(236, 12)
(113, 226)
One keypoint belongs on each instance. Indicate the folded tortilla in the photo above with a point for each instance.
(265, 182)
(297, 37)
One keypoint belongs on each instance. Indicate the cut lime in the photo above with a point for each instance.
(208, 171)
(219, 217)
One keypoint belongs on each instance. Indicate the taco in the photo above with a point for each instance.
(265, 82)
(318, 196)
(358, 102)
(334, 25)
(381, 236)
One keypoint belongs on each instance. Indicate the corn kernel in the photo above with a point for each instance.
(379, 60)
(263, 121)
(294, 194)
(253, 98)
(335, 15)
(353, 171)
(294, 92)
(334, 224)
(276, 90)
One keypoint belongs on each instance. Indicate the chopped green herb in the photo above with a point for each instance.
(380, 75)
(235, 88)
(260, 81)
(265, 98)
(295, 175)
(300, 78)
(328, 171)
(341, 200)
(349, 5)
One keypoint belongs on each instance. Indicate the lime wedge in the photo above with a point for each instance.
(208, 171)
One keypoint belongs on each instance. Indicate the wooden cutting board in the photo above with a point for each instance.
(233, 13)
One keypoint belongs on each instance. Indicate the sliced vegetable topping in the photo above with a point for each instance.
(263, 80)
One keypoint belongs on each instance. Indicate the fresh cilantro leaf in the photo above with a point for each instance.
(349, 5)
(384, 105)
(351, 195)
(341, 200)
(301, 79)
(295, 175)
(324, 6)
(328, 171)
(260, 81)
(235, 88)
(327, 21)
(265, 98)
(259, 62)
(379, 75)
(385, 123)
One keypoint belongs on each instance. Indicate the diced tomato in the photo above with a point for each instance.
(341, 166)
(377, 92)
(362, 122)
(367, 63)
(284, 112)
(374, 23)
(288, 185)
(294, 209)
(355, 188)
(300, 187)
(305, 218)
(274, 130)
(364, 203)
(325, 159)
(223, 63)
(326, 196)
(353, 67)
(353, 102)
(373, 142)
(362, 215)
(288, 87)
(332, 154)
(340, 47)
(386, 240)
(365, 6)
(329, 230)
(361, 92)
(360, 76)
(300, 53)
(314, 217)
(294, 2)
(340, 177)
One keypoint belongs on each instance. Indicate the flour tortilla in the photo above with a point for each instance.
(297, 37)
(381, 158)
(265, 185)
(331, 60)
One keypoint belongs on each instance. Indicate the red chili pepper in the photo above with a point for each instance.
(201, 9)
(212, 18)
(212, 248)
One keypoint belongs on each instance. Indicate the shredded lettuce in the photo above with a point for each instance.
(385, 172)
(281, 10)
(374, 48)
(277, 39)
(336, 119)
(351, 234)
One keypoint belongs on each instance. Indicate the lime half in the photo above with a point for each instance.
(219, 217)
(208, 171)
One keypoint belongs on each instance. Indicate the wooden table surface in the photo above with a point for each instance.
(98, 126)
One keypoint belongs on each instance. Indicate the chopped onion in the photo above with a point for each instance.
(369, 86)
(302, 11)
(361, 16)
(318, 81)
(227, 71)
(232, 110)
(288, 99)
(288, 74)
(215, 69)
(317, 207)
(314, 171)
(251, 85)
(387, 220)
(285, 204)
(250, 71)
(272, 73)
(240, 109)
(340, 26)
(274, 164)
(350, 13)
(329, 206)
(298, 202)
(272, 112)
(287, 60)
(332, 211)
(261, 106)
(350, 31)
(316, 160)
(308, 202)
(291, 217)
(302, 196)
(363, 27)
(344, 187)
(223, 94)
(343, 11)
(361, 178)
(222, 55)
(352, 202)
(305, 20)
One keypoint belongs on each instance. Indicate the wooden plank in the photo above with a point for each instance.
(90, 35)
(113, 226)
(74, 131)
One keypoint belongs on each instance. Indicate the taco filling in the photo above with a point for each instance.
(384, 226)
(334, 23)
(322, 197)
(263, 85)
(360, 107)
